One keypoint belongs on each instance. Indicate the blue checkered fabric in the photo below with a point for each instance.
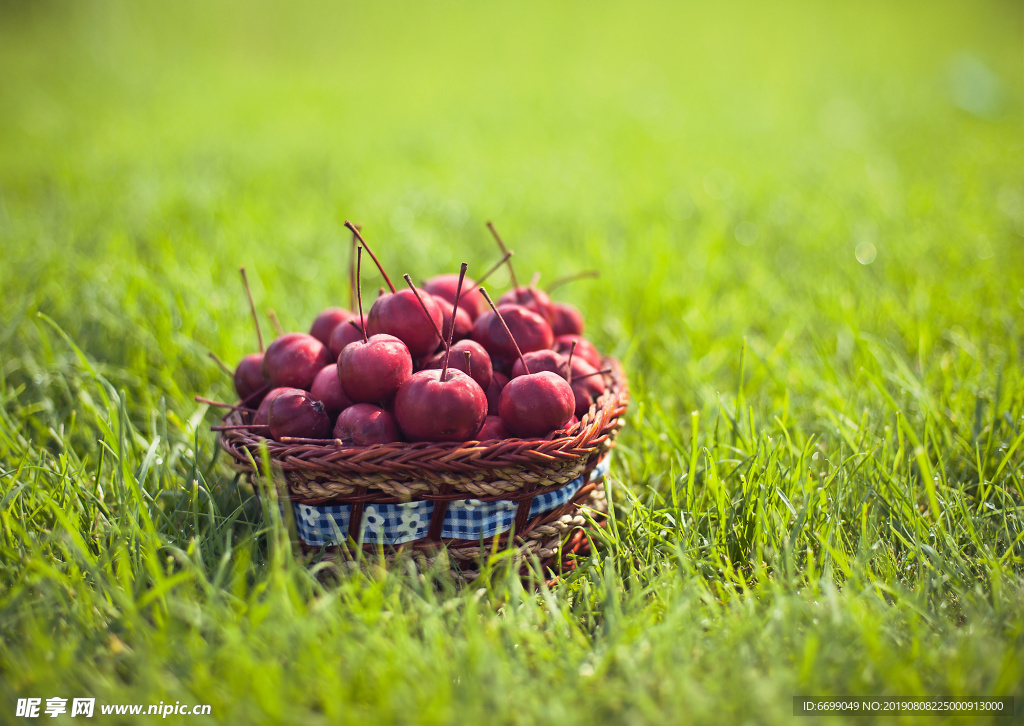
(473, 519)
(393, 524)
(317, 525)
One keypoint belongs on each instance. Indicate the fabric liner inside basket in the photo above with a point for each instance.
(397, 523)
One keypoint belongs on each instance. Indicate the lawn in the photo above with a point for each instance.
(809, 222)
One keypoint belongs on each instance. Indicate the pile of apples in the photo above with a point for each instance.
(441, 362)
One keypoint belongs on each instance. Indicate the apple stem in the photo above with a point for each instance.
(595, 373)
(535, 279)
(223, 366)
(511, 271)
(571, 278)
(252, 307)
(219, 404)
(451, 330)
(469, 363)
(352, 270)
(423, 305)
(276, 323)
(495, 268)
(255, 395)
(569, 364)
(355, 231)
(505, 326)
(359, 294)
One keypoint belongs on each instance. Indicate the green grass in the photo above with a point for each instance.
(810, 224)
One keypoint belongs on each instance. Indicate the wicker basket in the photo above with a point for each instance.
(470, 498)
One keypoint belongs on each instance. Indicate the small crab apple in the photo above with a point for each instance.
(326, 322)
(441, 405)
(348, 332)
(443, 286)
(586, 375)
(401, 315)
(372, 369)
(248, 376)
(583, 401)
(262, 417)
(540, 360)
(529, 332)
(298, 415)
(534, 404)
(478, 367)
(568, 320)
(363, 424)
(463, 322)
(492, 429)
(584, 348)
(498, 381)
(530, 298)
(294, 359)
(588, 385)
(327, 389)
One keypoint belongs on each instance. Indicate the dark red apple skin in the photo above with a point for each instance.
(400, 314)
(492, 429)
(480, 369)
(584, 348)
(568, 320)
(583, 401)
(249, 376)
(326, 322)
(347, 332)
(299, 415)
(371, 371)
(586, 392)
(429, 409)
(463, 323)
(540, 360)
(444, 287)
(581, 371)
(498, 382)
(363, 424)
(535, 405)
(581, 368)
(503, 365)
(262, 417)
(327, 389)
(418, 364)
(585, 389)
(531, 298)
(294, 359)
(529, 329)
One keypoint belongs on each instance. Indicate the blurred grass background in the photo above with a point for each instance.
(809, 220)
